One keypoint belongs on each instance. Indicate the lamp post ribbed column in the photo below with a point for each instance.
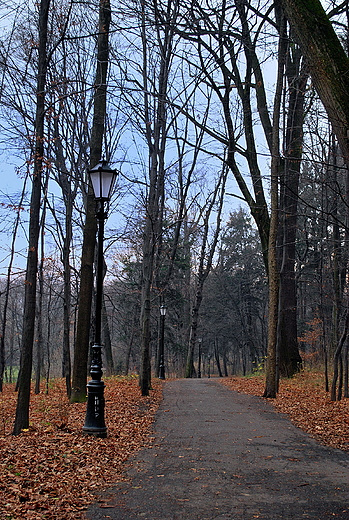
(103, 179)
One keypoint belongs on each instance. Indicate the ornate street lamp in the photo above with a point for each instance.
(163, 310)
(102, 179)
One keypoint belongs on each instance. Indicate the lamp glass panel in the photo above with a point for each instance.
(102, 181)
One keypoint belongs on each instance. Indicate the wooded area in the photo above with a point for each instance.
(231, 205)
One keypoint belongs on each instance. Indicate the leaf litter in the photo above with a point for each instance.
(52, 470)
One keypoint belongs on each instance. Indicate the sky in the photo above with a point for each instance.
(11, 185)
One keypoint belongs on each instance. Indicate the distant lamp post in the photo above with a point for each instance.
(102, 178)
(199, 364)
(163, 310)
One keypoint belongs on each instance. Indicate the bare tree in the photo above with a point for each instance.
(207, 251)
(90, 229)
(296, 76)
(8, 287)
(22, 410)
(328, 62)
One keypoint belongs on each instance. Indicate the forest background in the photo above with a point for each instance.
(231, 206)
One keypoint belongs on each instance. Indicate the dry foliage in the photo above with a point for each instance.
(307, 405)
(52, 470)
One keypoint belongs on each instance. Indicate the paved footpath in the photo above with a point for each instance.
(222, 455)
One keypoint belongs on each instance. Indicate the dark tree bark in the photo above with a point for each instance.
(40, 298)
(22, 410)
(82, 339)
(64, 181)
(156, 140)
(107, 340)
(218, 361)
(272, 373)
(346, 369)
(132, 334)
(271, 382)
(328, 62)
(338, 362)
(290, 359)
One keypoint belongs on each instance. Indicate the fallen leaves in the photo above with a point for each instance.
(51, 470)
(307, 405)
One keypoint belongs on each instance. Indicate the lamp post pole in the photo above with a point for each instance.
(162, 335)
(102, 178)
(199, 363)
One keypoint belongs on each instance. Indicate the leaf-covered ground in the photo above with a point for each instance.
(307, 405)
(52, 470)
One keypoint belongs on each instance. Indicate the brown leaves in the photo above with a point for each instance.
(308, 406)
(51, 470)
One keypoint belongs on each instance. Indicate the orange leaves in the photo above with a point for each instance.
(51, 470)
(246, 385)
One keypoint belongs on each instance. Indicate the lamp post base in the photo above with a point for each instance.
(100, 433)
(162, 372)
(94, 420)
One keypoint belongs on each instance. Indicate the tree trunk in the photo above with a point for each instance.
(82, 340)
(131, 338)
(67, 296)
(64, 181)
(22, 410)
(48, 339)
(290, 359)
(338, 359)
(156, 140)
(148, 272)
(271, 367)
(7, 295)
(204, 270)
(40, 298)
(271, 384)
(327, 60)
(346, 369)
(216, 355)
(107, 340)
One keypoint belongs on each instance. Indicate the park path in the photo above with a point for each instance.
(220, 455)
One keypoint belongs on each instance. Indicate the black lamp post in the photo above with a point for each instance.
(199, 364)
(163, 310)
(102, 178)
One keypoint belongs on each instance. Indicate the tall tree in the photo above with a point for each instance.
(7, 289)
(271, 383)
(22, 409)
(221, 36)
(235, 296)
(296, 77)
(156, 135)
(328, 62)
(207, 252)
(82, 339)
